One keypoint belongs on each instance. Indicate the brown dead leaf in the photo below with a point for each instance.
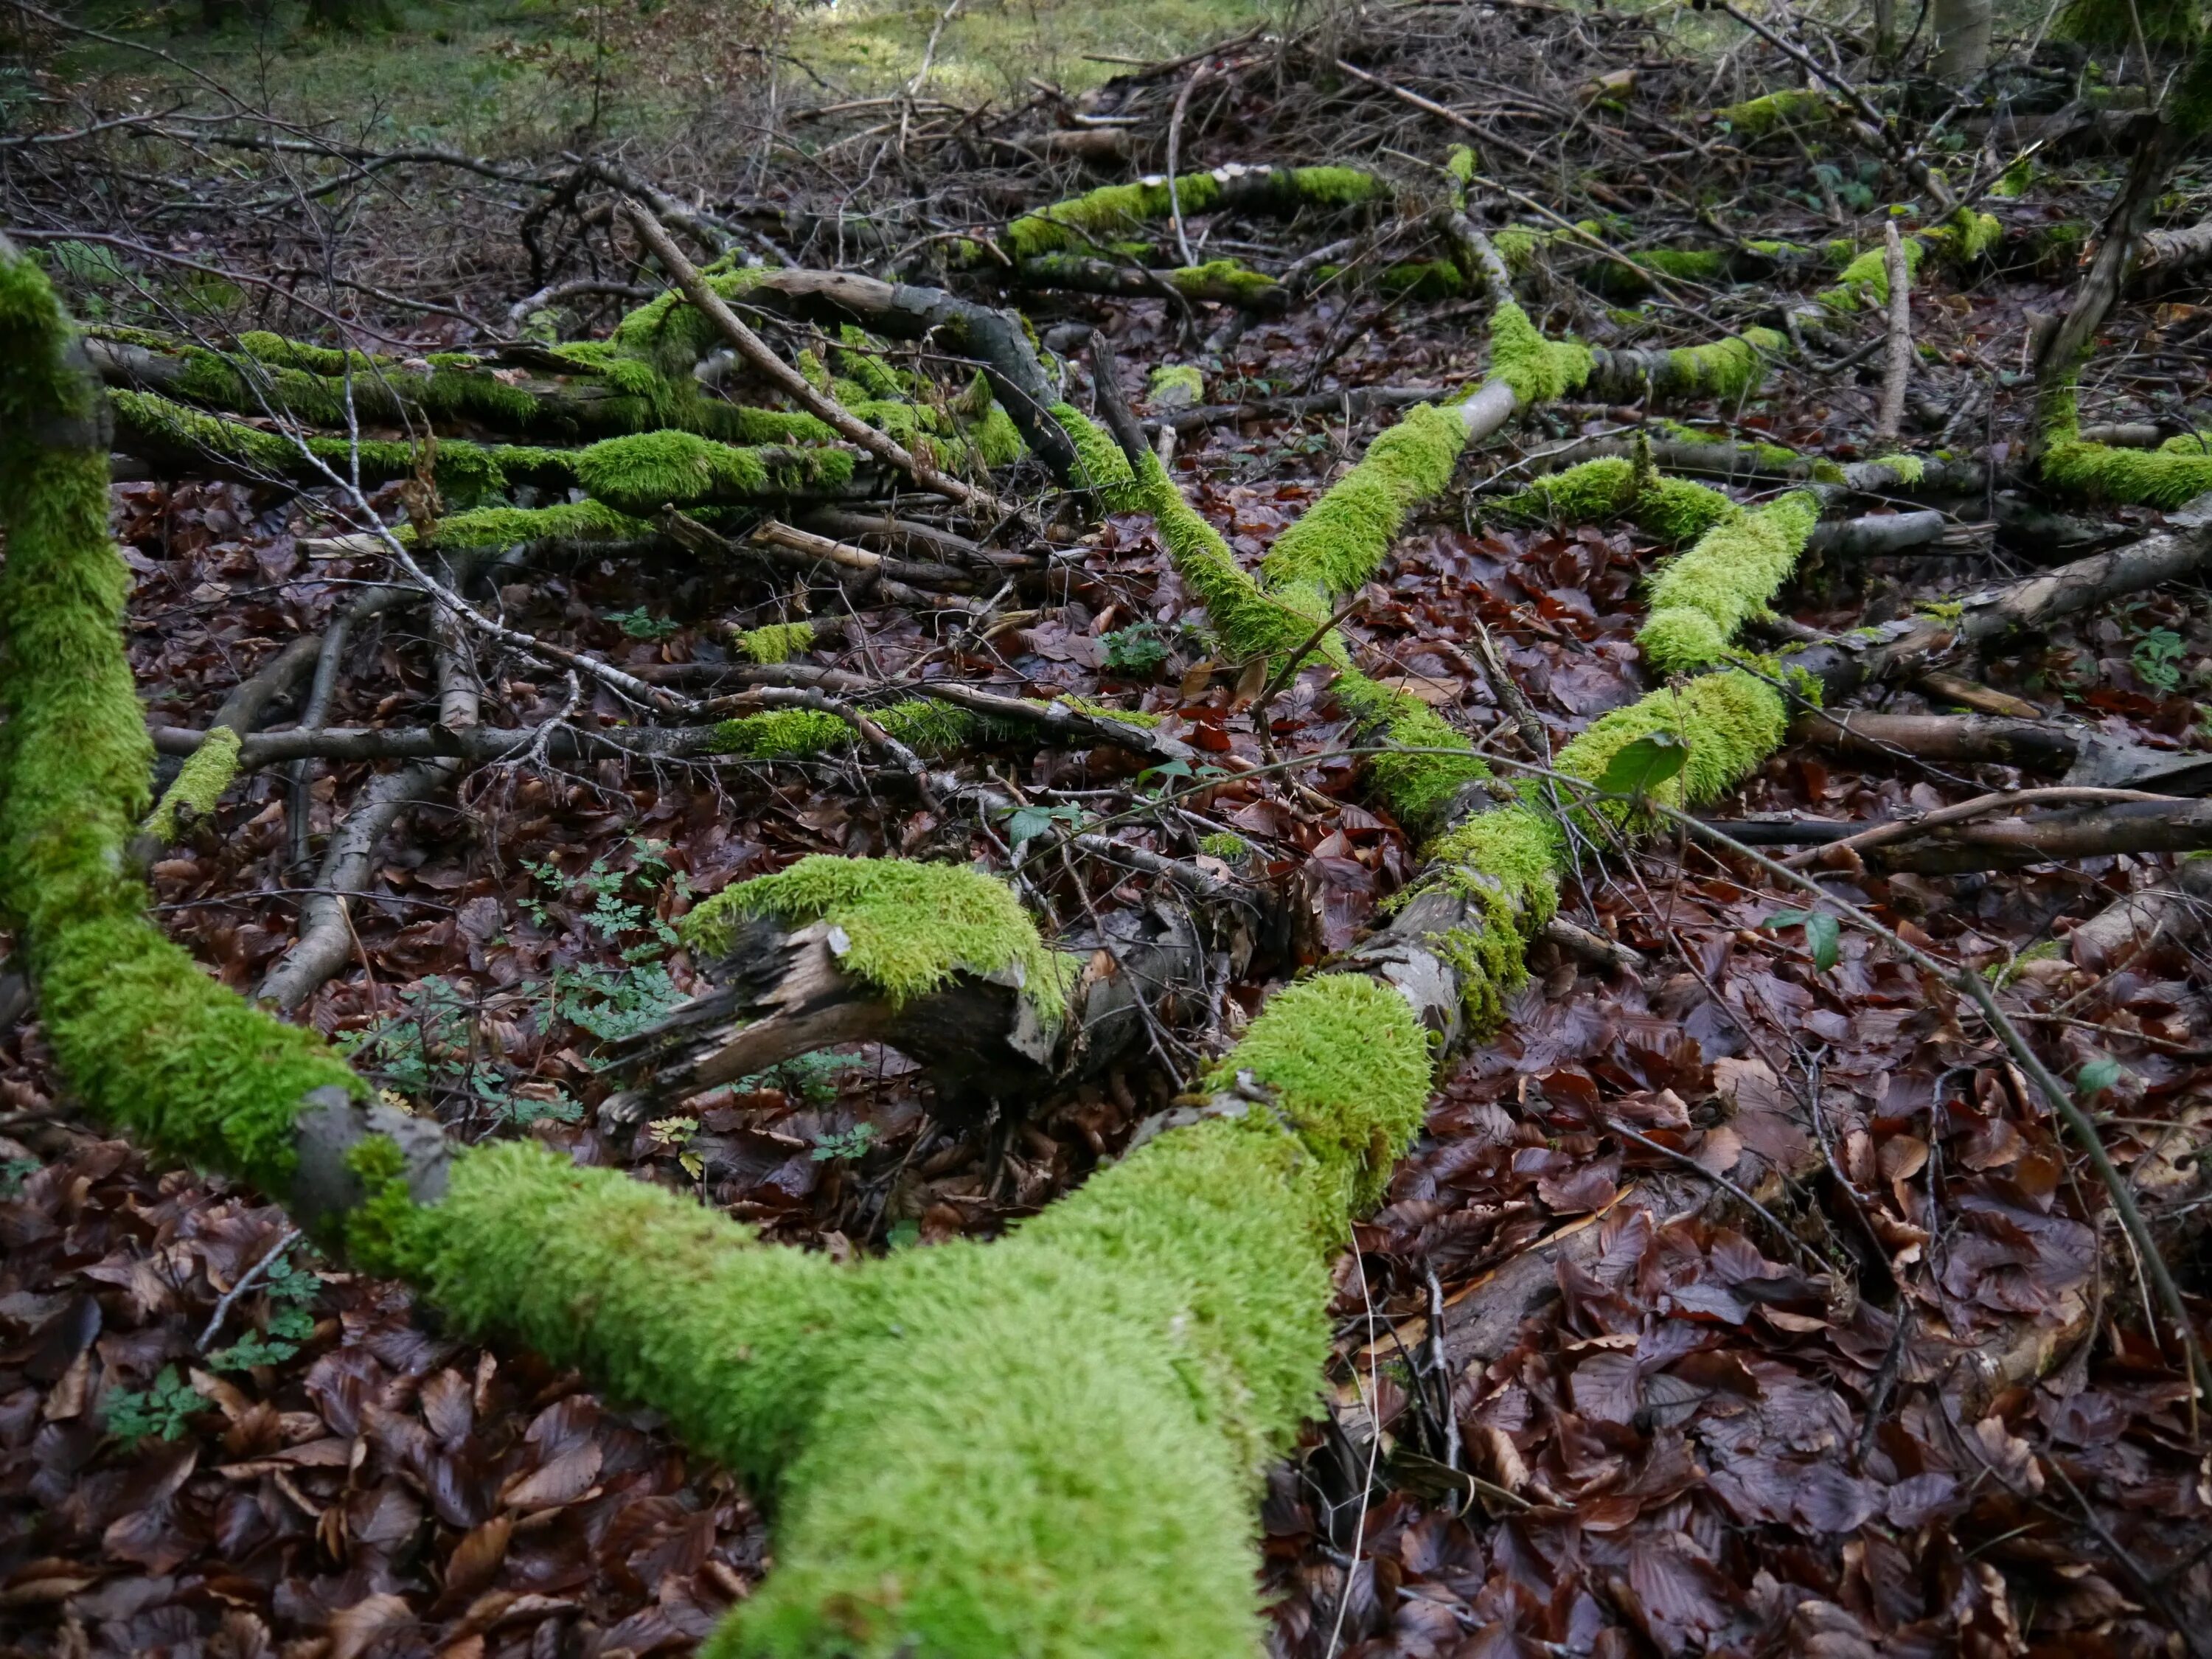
(355, 1628)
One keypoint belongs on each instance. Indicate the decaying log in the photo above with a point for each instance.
(1932, 640)
(2087, 832)
(2076, 753)
(781, 992)
(2118, 933)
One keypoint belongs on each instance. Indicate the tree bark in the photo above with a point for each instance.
(1962, 42)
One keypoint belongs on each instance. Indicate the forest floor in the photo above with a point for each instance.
(1750, 1428)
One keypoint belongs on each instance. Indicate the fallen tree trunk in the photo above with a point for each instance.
(2117, 934)
(2106, 831)
(2079, 755)
(1914, 644)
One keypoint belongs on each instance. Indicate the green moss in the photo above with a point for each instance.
(1518, 246)
(1101, 215)
(1418, 785)
(772, 426)
(1537, 370)
(1591, 492)
(1597, 492)
(1694, 264)
(671, 334)
(1423, 279)
(1731, 368)
(638, 475)
(1339, 186)
(909, 926)
(1128, 716)
(1727, 722)
(858, 354)
(998, 440)
(930, 727)
(1352, 1068)
(1116, 1377)
(2167, 477)
(781, 734)
(777, 642)
(146, 1039)
(1966, 236)
(467, 472)
(1505, 861)
(1100, 464)
(445, 389)
(1906, 469)
(1679, 510)
(796, 734)
(199, 783)
(1864, 283)
(1224, 844)
(651, 470)
(1224, 280)
(1251, 623)
(513, 526)
(1772, 458)
(1799, 107)
(1700, 600)
(1342, 538)
(279, 352)
(1181, 383)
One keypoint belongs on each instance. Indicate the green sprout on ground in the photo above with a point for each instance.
(1137, 651)
(615, 1003)
(2157, 657)
(642, 624)
(837, 1145)
(291, 1288)
(164, 1407)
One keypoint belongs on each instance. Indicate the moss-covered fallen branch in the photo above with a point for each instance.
(634, 474)
(1616, 487)
(1113, 213)
(2178, 472)
(1222, 281)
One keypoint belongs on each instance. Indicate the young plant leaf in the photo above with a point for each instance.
(1823, 934)
(1641, 766)
(2099, 1075)
(1824, 937)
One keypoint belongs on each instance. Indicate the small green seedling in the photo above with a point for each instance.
(1823, 934)
(851, 1143)
(164, 1407)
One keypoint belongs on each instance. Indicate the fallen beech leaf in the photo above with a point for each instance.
(354, 1629)
(563, 1480)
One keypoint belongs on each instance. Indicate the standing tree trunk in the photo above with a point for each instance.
(1962, 42)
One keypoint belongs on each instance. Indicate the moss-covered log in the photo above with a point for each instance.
(560, 394)
(634, 474)
(1223, 280)
(1114, 213)
(2177, 472)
